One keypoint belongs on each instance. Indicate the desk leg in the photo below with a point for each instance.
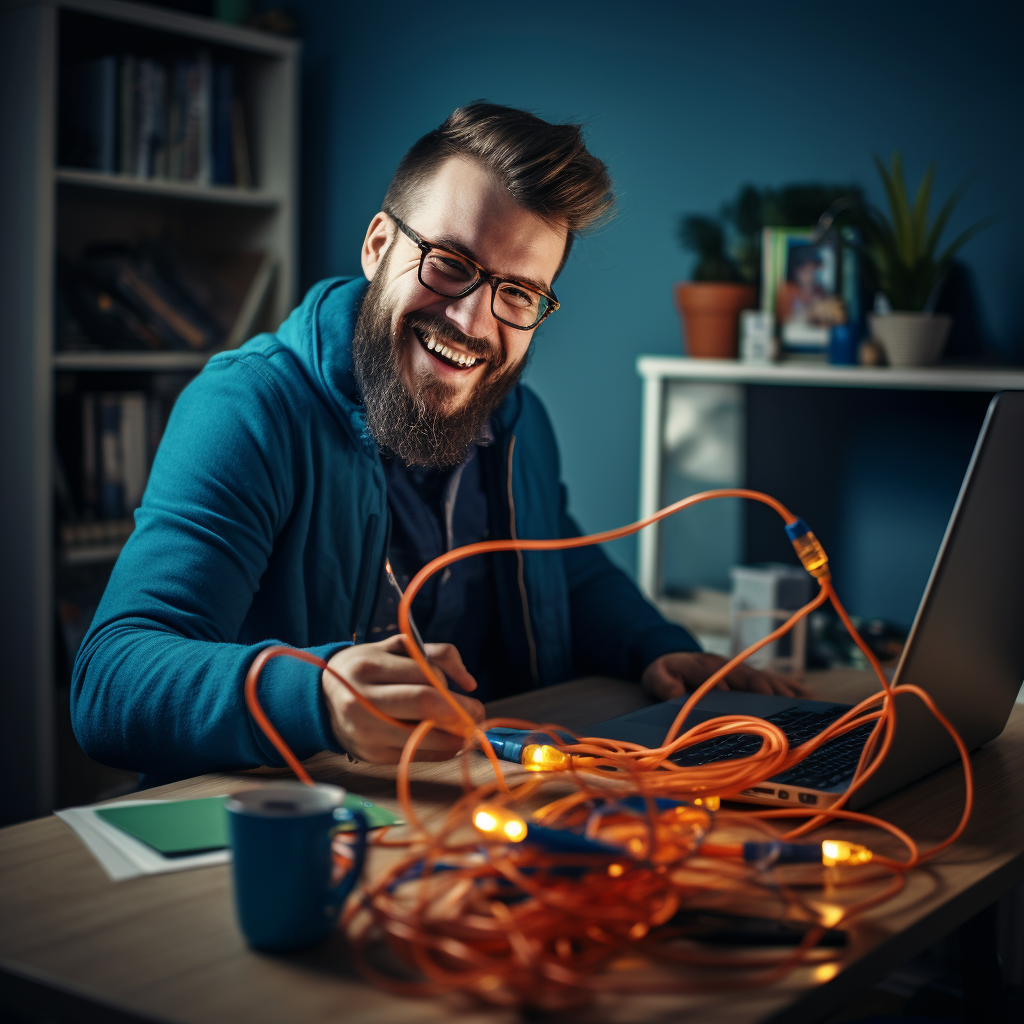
(982, 976)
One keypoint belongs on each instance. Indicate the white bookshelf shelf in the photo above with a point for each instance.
(155, 361)
(183, 190)
(927, 378)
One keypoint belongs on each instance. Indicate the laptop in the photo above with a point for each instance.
(965, 648)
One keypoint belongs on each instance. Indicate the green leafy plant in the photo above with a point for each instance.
(902, 248)
(736, 255)
(706, 237)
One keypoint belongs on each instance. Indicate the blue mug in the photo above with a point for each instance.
(285, 892)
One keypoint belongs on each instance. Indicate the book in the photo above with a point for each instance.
(116, 456)
(97, 309)
(134, 460)
(151, 119)
(223, 99)
(111, 458)
(148, 287)
(126, 114)
(197, 160)
(240, 146)
(177, 119)
(90, 469)
(87, 135)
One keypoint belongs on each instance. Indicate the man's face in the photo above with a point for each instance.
(462, 208)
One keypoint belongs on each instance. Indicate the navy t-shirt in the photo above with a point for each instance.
(434, 511)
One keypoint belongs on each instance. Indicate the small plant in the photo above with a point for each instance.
(706, 237)
(739, 259)
(902, 248)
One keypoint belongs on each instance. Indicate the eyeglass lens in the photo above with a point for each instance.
(446, 273)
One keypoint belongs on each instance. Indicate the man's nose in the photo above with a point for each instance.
(472, 313)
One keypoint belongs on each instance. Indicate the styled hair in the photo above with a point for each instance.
(545, 167)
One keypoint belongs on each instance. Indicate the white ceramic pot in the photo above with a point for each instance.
(910, 339)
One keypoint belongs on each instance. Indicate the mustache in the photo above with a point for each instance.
(437, 327)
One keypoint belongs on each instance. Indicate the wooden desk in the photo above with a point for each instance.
(166, 948)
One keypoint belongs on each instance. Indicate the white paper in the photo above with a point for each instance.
(123, 856)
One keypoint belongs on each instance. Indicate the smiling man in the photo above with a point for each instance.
(306, 477)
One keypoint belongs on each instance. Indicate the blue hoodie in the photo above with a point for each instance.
(265, 522)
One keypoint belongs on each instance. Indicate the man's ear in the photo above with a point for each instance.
(375, 244)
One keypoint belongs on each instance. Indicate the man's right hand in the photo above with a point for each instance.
(385, 675)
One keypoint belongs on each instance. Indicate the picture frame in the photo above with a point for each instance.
(809, 285)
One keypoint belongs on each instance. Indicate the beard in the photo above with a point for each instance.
(414, 424)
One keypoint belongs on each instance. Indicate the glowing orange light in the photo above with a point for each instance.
(499, 823)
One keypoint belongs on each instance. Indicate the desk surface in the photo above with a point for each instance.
(166, 948)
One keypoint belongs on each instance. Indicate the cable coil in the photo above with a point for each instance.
(573, 880)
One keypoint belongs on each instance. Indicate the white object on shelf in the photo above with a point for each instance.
(757, 336)
(763, 597)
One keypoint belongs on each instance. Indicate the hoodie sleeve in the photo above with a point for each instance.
(158, 681)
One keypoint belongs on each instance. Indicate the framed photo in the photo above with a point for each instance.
(808, 287)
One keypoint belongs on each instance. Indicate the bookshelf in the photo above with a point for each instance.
(51, 212)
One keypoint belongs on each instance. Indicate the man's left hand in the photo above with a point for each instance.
(672, 675)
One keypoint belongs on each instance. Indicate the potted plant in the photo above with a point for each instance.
(726, 276)
(903, 252)
(710, 305)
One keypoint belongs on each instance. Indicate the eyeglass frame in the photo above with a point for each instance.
(426, 248)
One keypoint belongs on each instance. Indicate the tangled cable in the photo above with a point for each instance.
(544, 888)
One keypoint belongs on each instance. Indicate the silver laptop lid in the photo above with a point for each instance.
(966, 647)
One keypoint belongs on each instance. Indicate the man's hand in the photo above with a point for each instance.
(384, 674)
(672, 675)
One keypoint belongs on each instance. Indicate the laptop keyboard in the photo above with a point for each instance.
(829, 765)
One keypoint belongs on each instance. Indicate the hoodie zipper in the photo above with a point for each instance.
(520, 571)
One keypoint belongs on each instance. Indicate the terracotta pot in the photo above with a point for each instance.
(710, 311)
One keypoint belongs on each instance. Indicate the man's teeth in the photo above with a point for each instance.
(461, 359)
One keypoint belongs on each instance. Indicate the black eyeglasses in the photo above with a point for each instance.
(448, 273)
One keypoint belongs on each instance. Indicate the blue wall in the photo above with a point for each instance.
(685, 102)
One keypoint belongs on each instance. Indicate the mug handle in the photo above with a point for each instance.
(346, 885)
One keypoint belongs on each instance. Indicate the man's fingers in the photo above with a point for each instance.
(418, 701)
(448, 659)
(382, 667)
(443, 656)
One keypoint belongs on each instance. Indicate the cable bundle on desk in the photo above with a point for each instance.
(569, 881)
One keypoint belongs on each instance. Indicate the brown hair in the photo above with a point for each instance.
(545, 167)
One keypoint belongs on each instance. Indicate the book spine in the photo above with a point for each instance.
(177, 119)
(240, 145)
(133, 448)
(126, 104)
(144, 132)
(107, 72)
(111, 458)
(191, 155)
(204, 100)
(223, 157)
(90, 475)
(159, 142)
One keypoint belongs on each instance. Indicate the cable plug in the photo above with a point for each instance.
(808, 549)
